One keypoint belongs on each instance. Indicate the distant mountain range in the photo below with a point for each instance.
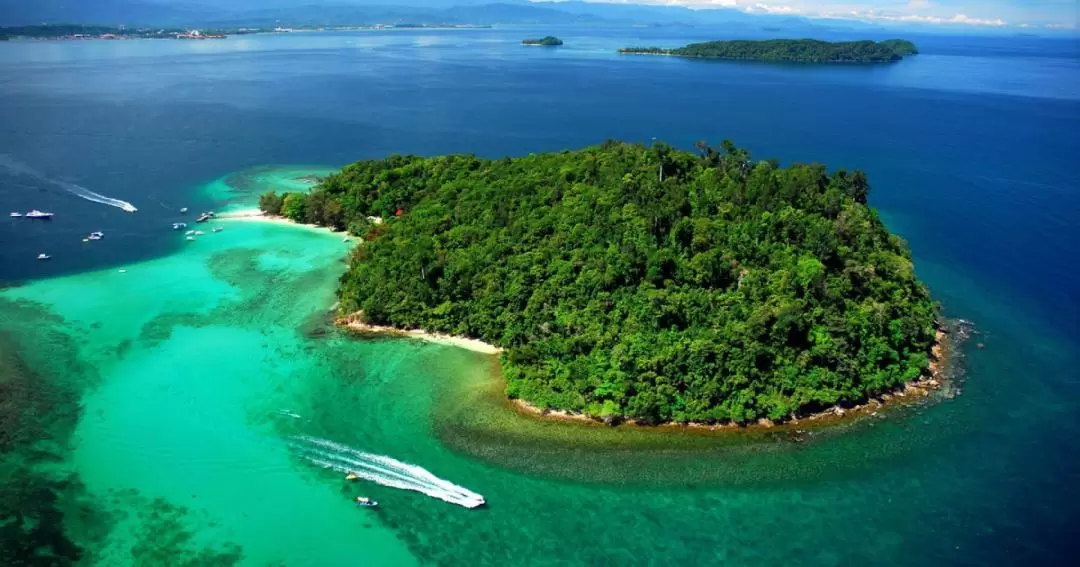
(266, 13)
(347, 12)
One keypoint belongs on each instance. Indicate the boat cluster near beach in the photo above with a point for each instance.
(203, 217)
(99, 235)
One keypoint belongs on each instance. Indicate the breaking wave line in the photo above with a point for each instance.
(382, 470)
(17, 167)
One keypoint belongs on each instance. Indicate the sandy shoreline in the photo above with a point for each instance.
(353, 323)
(255, 215)
(921, 388)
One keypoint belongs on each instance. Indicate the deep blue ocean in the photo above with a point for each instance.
(971, 148)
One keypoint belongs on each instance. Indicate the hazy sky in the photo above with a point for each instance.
(1036, 13)
(1056, 13)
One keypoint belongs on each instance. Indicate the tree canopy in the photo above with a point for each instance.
(795, 50)
(549, 41)
(648, 283)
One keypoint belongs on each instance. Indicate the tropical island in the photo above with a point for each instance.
(633, 282)
(791, 50)
(548, 41)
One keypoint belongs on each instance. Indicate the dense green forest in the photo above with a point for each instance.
(796, 50)
(626, 281)
(550, 41)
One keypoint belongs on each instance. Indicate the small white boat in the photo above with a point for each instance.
(86, 240)
(366, 502)
(123, 271)
(96, 236)
(36, 214)
(183, 209)
(190, 238)
(179, 225)
(190, 232)
(14, 215)
(199, 233)
(43, 256)
(218, 229)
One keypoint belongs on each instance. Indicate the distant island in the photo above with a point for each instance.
(75, 32)
(87, 32)
(632, 282)
(549, 41)
(792, 50)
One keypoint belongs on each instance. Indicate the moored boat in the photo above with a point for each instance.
(14, 215)
(36, 214)
(43, 256)
(366, 502)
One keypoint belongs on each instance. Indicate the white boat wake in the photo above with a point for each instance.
(17, 167)
(382, 470)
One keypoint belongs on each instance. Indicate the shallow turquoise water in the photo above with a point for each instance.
(194, 356)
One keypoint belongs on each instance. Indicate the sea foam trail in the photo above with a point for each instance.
(18, 167)
(382, 470)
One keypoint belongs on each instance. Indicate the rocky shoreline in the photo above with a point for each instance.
(939, 378)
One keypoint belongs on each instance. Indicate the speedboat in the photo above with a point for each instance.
(366, 502)
(96, 235)
(190, 238)
(204, 217)
(36, 214)
(179, 225)
(351, 476)
(183, 209)
(43, 256)
(190, 232)
(218, 229)
(199, 233)
(14, 215)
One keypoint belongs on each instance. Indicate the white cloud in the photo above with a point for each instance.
(770, 9)
(931, 12)
(958, 19)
